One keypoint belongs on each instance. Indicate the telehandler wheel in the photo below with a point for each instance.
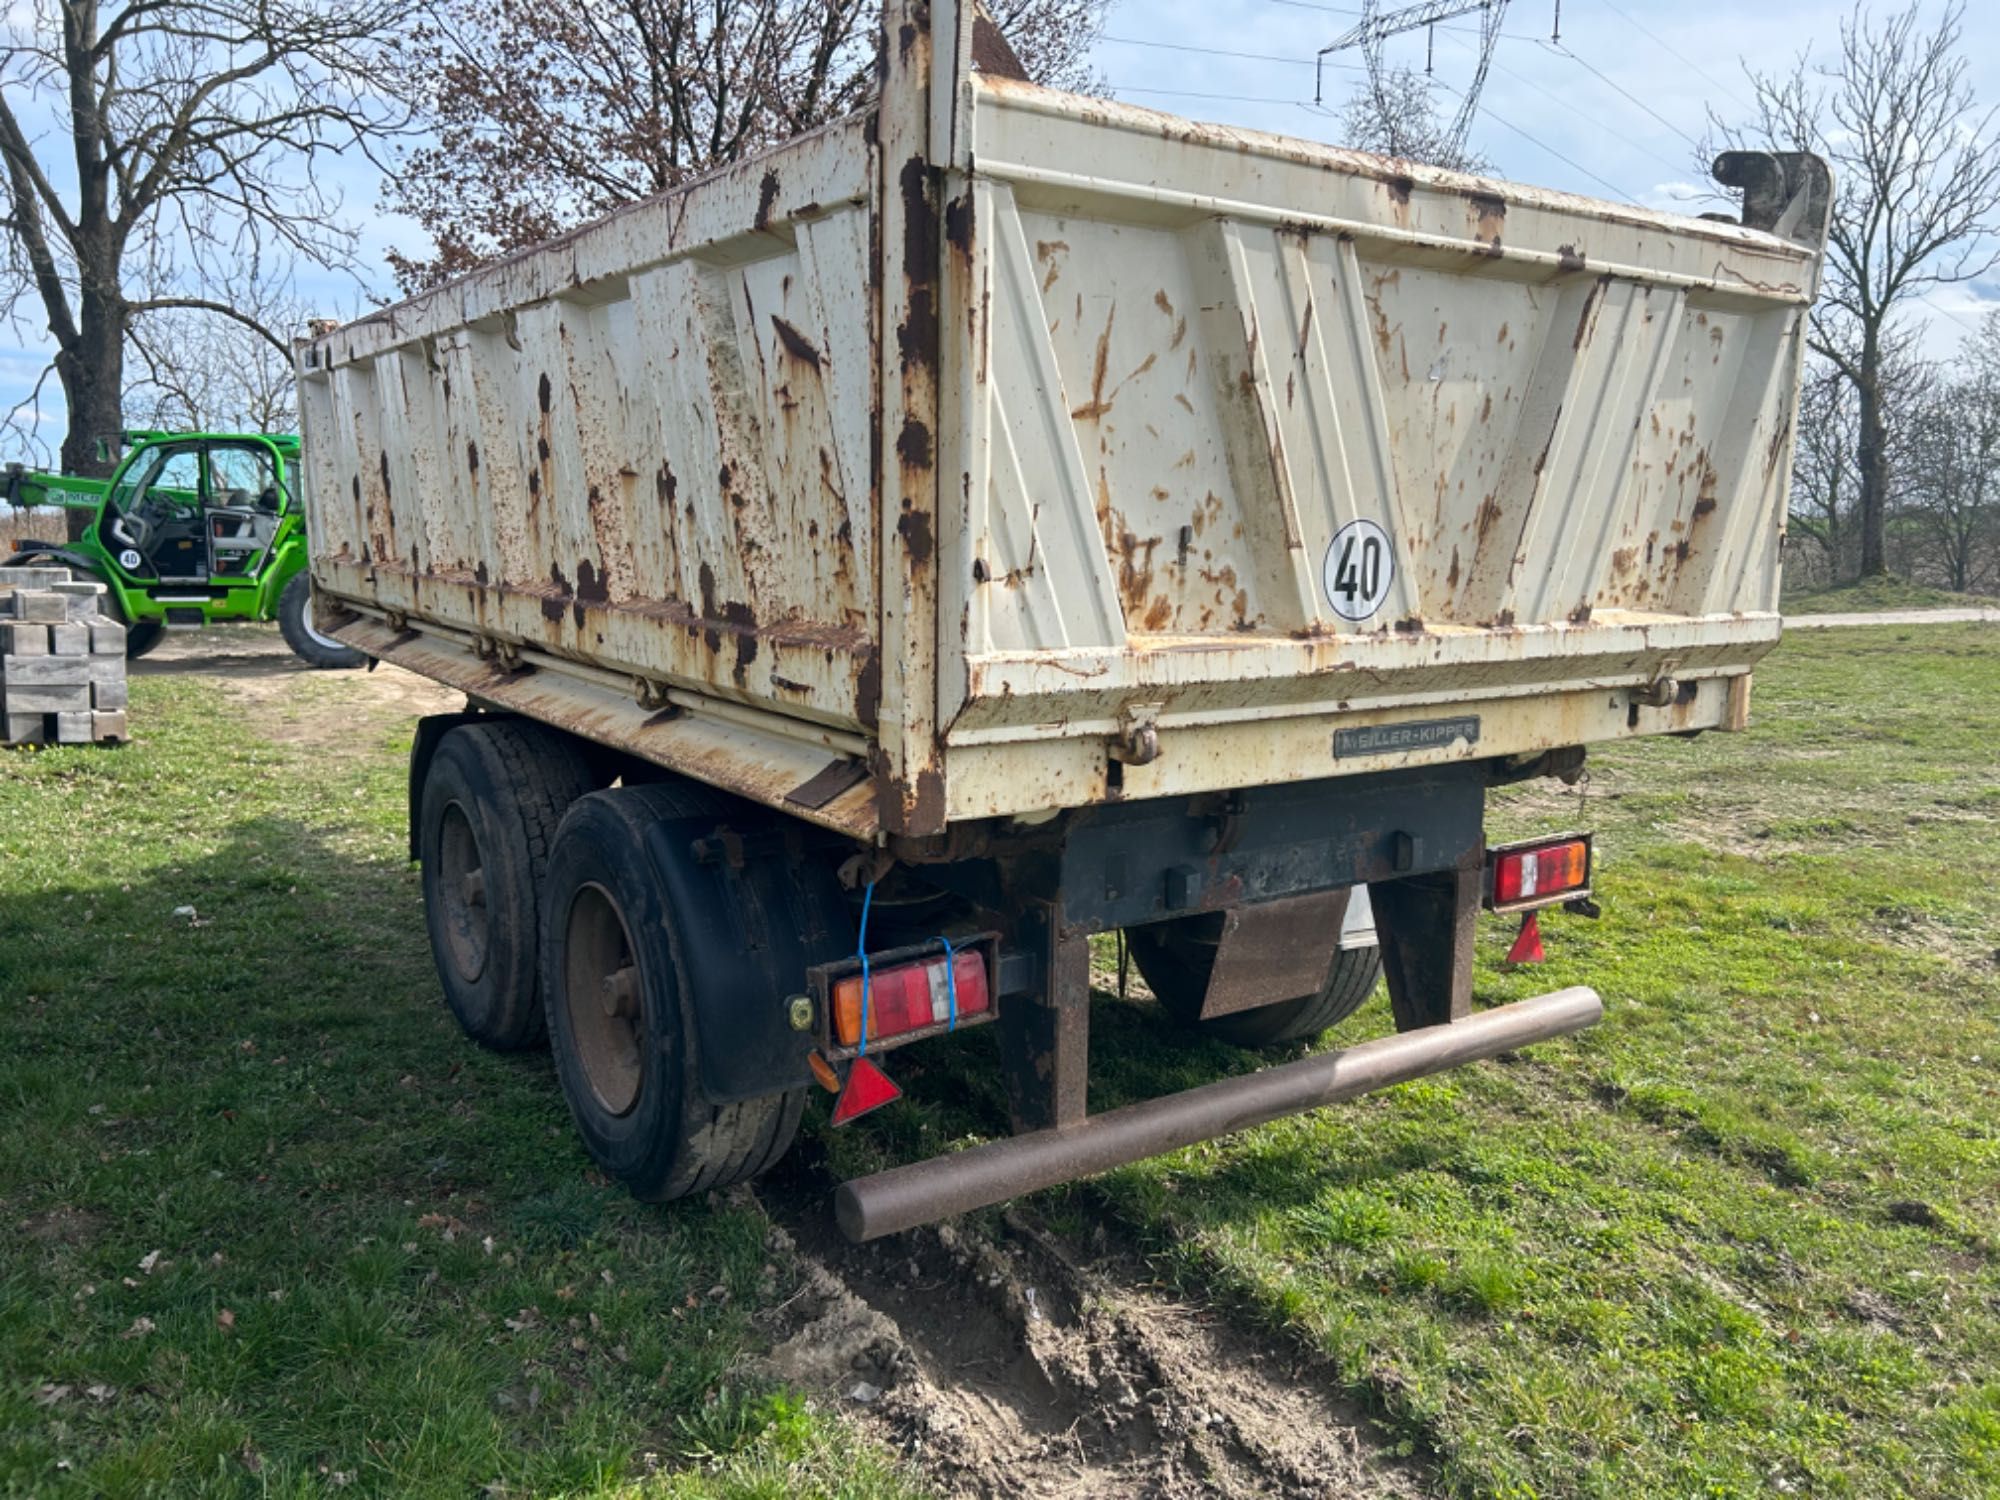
(142, 636)
(619, 1025)
(492, 801)
(295, 623)
(1176, 958)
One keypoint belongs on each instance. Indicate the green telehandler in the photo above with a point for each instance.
(190, 529)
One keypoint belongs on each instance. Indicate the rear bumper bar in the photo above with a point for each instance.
(904, 1197)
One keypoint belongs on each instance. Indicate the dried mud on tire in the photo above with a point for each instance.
(1042, 1368)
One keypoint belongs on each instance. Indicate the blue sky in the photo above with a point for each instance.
(1612, 111)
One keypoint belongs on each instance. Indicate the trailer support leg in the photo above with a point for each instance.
(1425, 924)
(1045, 1037)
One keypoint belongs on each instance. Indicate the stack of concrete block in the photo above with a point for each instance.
(62, 660)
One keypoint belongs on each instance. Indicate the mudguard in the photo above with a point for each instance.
(431, 730)
(753, 910)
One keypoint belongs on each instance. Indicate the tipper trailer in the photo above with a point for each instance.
(1002, 517)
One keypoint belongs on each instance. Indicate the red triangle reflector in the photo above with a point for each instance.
(1527, 947)
(868, 1089)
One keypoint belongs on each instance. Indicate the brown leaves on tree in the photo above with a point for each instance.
(544, 117)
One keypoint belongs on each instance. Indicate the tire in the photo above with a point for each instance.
(492, 801)
(142, 636)
(1176, 958)
(312, 648)
(632, 1075)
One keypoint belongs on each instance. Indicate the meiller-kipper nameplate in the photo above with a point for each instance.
(1400, 739)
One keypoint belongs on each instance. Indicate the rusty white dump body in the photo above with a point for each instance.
(1006, 451)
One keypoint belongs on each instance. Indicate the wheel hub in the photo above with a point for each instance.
(461, 883)
(602, 999)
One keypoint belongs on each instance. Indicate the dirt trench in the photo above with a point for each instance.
(1034, 1365)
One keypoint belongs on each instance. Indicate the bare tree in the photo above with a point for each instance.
(191, 371)
(1823, 477)
(1916, 168)
(544, 116)
(151, 148)
(1395, 113)
(1949, 496)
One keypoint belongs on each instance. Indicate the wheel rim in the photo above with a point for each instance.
(324, 642)
(601, 999)
(461, 880)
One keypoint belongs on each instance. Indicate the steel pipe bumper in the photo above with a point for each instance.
(904, 1197)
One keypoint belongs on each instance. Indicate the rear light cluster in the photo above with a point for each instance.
(908, 997)
(1540, 874)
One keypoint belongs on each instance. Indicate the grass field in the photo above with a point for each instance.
(1739, 1240)
(267, 1225)
(1874, 595)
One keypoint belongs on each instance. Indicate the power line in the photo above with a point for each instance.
(1561, 51)
(1564, 104)
(1300, 62)
(1668, 48)
(1332, 10)
(1545, 146)
(1117, 88)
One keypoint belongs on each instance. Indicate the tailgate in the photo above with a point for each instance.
(1265, 441)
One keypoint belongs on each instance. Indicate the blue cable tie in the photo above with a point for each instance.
(950, 981)
(861, 952)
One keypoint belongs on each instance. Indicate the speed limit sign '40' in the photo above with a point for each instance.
(1360, 568)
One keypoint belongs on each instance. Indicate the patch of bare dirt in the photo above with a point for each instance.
(289, 703)
(64, 1225)
(1038, 1367)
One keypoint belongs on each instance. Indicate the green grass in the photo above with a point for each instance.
(1871, 594)
(1744, 1231)
(269, 1225)
(1738, 1240)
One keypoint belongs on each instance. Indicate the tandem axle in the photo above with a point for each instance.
(700, 964)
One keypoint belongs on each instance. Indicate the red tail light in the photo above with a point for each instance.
(1540, 874)
(910, 997)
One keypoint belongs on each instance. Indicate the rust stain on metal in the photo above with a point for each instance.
(1590, 305)
(868, 689)
(1098, 405)
(767, 198)
(795, 343)
(554, 605)
(1049, 253)
(1488, 514)
(913, 445)
(918, 336)
(958, 224)
(915, 530)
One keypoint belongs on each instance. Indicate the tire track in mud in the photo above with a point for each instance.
(1028, 1364)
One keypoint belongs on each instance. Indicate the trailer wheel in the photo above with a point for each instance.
(492, 801)
(308, 645)
(1175, 959)
(619, 1024)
